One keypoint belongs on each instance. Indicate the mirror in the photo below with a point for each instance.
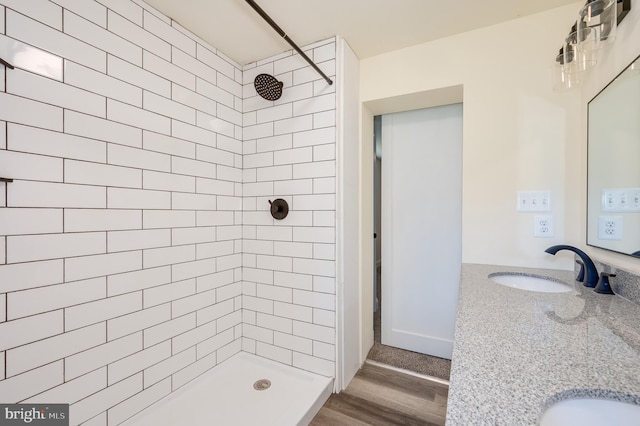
(613, 173)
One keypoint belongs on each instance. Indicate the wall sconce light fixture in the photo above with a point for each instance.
(594, 30)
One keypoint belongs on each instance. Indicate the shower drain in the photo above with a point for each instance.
(262, 384)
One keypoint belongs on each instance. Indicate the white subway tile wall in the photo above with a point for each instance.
(136, 246)
(289, 152)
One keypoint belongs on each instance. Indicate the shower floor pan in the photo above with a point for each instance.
(225, 395)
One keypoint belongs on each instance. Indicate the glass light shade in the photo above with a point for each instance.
(566, 72)
(595, 8)
(565, 78)
(600, 16)
(585, 45)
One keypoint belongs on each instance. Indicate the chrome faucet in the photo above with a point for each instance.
(591, 278)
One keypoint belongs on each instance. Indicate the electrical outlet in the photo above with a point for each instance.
(610, 227)
(543, 226)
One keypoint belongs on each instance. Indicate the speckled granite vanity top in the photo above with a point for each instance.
(516, 352)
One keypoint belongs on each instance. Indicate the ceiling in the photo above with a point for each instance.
(371, 27)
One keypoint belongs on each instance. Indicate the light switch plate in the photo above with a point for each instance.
(534, 201)
(621, 200)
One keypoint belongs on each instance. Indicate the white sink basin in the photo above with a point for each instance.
(591, 412)
(530, 283)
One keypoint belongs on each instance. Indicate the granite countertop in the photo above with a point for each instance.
(516, 352)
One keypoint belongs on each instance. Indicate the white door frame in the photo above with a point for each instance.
(364, 216)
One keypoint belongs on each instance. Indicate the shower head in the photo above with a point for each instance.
(268, 87)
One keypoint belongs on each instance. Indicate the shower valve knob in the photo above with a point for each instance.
(279, 208)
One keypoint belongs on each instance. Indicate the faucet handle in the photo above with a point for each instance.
(580, 276)
(603, 286)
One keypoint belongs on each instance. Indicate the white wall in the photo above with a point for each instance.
(347, 226)
(517, 131)
(289, 265)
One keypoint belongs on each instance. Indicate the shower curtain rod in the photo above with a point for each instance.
(286, 37)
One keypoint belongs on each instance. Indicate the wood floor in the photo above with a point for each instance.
(379, 396)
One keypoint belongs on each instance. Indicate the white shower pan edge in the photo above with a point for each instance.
(225, 395)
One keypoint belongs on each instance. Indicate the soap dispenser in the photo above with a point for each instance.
(603, 286)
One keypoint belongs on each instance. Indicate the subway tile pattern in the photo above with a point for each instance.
(121, 235)
(288, 281)
(136, 246)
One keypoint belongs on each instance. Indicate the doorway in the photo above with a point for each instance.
(363, 216)
(417, 221)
